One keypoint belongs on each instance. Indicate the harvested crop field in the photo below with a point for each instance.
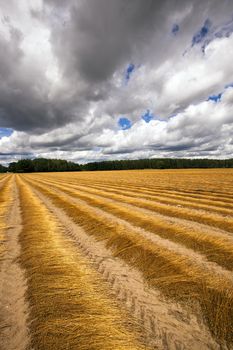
(117, 260)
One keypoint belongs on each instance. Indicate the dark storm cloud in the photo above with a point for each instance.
(93, 44)
(100, 36)
(96, 38)
(22, 106)
(89, 47)
(25, 104)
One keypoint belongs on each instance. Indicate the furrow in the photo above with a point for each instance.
(161, 320)
(161, 268)
(5, 202)
(70, 306)
(13, 307)
(161, 196)
(140, 180)
(216, 246)
(200, 216)
(173, 198)
(192, 256)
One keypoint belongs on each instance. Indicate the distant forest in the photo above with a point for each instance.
(51, 165)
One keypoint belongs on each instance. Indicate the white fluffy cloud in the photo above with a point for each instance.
(63, 86)
(199, 130)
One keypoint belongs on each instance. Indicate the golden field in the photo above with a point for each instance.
(117, 260)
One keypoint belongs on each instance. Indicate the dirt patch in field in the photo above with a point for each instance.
(13, 307)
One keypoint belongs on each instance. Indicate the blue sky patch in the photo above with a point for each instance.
(202, 33)
(5, 132)
(175, 29)
(215, 98)
(129, 71)
(208, 33)
(124, 123)
(147, 117)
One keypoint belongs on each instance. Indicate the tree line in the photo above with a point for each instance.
(42, 165)
(52, 165)
(158, 163)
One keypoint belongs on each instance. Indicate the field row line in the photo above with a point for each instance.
(163, 196)
(151, 188)
(69, 303)
(200, 216)
(13, 307)
(107, 211)
(162, 269)
(5, 202)
(165, 324)
(215, 201)
(172, 200)
(215, 246)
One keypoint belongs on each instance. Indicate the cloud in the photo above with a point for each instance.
(204, 129)
(100, 35)
(61, 72)
(205, 126)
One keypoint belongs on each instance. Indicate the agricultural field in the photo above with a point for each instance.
(117, 260)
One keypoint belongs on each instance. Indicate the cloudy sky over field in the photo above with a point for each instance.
(115, 79)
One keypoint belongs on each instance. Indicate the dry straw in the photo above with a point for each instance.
(70, 307)
(161, 268)
(213, 219)
(217, 248)
(207, 184)
(188, 199)
(212, 204)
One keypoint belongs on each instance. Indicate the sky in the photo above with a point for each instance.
(89, 80)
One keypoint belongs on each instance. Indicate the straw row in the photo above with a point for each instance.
(161, 268)
(217, 247)
(70, 307)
